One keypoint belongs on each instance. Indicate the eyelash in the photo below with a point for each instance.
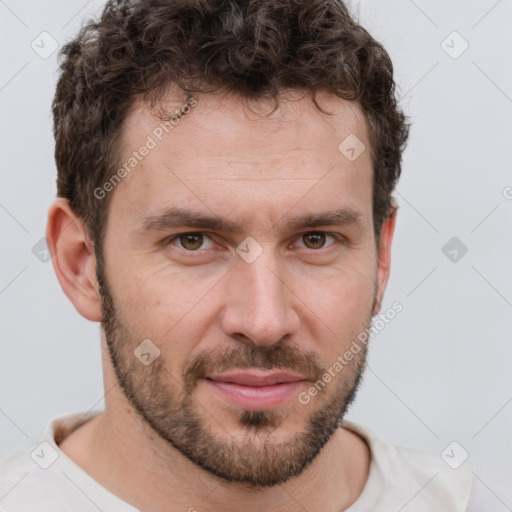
(336, 237)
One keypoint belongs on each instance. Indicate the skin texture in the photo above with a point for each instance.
(167, 440)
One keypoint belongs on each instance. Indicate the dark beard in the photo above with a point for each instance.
(167, 405)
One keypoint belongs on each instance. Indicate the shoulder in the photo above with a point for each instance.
(41, 478)
(23, 481)
(14, 470)
(400, 475)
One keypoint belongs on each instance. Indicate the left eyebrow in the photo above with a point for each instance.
(184, 218)
(340, 217)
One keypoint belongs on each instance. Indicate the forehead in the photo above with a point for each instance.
(229, 155)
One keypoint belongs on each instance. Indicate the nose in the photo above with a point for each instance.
(259, 304)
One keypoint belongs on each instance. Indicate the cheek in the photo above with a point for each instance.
(172, 309)
(349, 283)
(158, 295)
(339, 305)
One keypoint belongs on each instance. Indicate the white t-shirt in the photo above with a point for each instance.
(42, 478)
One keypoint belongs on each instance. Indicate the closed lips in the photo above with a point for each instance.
(257, 380)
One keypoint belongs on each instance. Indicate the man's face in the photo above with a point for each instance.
(293, 297)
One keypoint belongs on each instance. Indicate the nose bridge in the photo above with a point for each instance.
(259, 305)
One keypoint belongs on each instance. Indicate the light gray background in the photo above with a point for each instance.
(440, 372)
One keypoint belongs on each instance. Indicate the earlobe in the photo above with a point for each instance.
(384, 256)
(73, 259)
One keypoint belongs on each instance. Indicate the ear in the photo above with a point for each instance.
(384, 256)
(73, 259)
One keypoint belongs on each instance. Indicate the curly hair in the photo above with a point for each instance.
(253, 48)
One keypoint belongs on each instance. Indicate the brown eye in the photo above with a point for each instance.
(191, 241)
(314, 240)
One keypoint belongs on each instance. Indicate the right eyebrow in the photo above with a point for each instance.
(178, 217)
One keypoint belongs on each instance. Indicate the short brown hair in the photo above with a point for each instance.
(254, 48)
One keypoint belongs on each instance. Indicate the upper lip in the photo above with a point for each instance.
(257, 379)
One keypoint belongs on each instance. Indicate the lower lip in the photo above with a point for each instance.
(252, 397)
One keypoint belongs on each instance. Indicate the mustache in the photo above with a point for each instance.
(275, 357)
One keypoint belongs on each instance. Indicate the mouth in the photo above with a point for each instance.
(257, 391)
